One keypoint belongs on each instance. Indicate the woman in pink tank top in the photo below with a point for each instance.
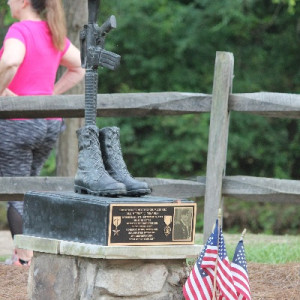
(33, 49)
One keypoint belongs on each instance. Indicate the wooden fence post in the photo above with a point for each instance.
(218, 136)
(67, 149)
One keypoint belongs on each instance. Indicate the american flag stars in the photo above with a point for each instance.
(240, 257)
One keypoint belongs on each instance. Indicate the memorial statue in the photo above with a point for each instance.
(101, 167)
(98, 218)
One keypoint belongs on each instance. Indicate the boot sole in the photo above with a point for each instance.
(138, 193)
(82, 190)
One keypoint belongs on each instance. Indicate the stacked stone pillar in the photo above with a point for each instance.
(65, 270)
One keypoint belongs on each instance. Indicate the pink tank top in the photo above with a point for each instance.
(37, 73)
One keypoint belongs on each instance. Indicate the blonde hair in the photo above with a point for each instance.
(53, 12)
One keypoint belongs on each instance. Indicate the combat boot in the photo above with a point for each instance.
(114, 163)
(91, 176)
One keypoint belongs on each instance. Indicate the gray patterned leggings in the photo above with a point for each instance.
(24, 148)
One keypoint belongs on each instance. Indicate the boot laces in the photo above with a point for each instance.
(95, 161)
(116, 154)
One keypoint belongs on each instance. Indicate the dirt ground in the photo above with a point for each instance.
(267, 282)
(13, 282)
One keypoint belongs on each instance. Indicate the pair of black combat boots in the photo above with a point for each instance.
(101, 167)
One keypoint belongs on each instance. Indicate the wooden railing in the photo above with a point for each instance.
(215, 185)
(241, 187)
(278, 105)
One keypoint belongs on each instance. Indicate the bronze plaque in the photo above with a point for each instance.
(152, 224)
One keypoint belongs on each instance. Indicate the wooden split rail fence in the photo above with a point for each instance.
(215, 185)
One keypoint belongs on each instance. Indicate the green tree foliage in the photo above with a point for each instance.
(5, 18)
(171, 46)
(161, 147)
(290, 3)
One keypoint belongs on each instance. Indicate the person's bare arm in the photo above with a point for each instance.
(74, 72)
(12, 57)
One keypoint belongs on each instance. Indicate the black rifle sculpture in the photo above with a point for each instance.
(101, 167)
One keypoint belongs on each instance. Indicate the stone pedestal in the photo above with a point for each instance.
(68, 270)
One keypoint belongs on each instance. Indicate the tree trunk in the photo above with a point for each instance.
(67, 149)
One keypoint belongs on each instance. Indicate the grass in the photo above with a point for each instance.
(3, 219)
(3, 258)
(262, 248)
(259, 248)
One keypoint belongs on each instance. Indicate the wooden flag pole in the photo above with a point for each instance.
(243, 234)
(217, 260)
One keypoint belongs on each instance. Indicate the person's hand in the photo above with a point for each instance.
(8, 93)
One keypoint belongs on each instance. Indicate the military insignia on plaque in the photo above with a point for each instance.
(116, 222)
(168, 221)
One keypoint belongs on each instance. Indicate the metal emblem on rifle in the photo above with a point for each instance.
(168, 221)
(116, 222)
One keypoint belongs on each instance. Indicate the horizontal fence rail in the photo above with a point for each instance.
(145, 104)
(258, 189)
(267, 104)
(108, 105)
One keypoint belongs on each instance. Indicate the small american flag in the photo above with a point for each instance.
(211, 252)
(240, 272)
(224, 281)
(199, 285)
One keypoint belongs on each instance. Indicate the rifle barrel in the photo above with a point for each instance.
(93, 8)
